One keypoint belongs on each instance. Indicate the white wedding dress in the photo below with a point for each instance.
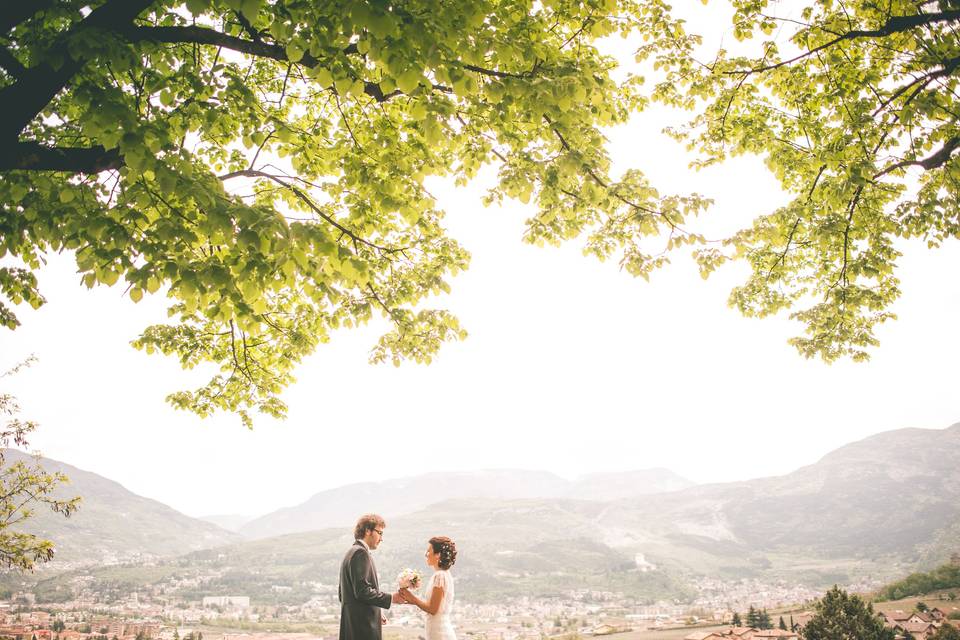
(440, 626)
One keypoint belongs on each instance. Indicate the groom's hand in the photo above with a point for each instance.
(397, 598)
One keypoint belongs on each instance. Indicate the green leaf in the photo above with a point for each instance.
(250, 9)
(196, 7)
(109, 277)
(409, 80)
(322, 76)
(295, 52)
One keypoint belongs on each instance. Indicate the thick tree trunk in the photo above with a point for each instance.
(27, 97)
(31, 156)
(16, 12)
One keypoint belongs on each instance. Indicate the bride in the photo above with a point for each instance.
(441, 554)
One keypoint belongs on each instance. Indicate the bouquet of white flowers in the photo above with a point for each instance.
(409, 579)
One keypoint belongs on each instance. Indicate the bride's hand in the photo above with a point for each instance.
(406, 595)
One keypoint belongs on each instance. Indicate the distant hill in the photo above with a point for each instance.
(881, 504)
(342, 505)
(114, 523)
(626, 484)
(230, 522)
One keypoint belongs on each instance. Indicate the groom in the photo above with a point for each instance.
(361, 600)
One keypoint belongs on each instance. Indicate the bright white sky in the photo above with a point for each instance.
(571, 366)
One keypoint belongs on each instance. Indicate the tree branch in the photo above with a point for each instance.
(493, 72)
(252, 173)
(934, 161)
(11, 65)
(253, 33)
(613, 191)
(949, 66)
(32, 156)
(894, 24)
(203, 35)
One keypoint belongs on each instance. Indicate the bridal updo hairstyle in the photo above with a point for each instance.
(446, 549)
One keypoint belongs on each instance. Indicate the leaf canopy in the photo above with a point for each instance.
(853, 106)
(264, 162)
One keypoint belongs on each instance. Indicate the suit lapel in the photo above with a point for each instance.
(373, 565)
(376, 577)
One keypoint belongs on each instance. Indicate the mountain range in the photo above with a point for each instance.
(338, 507)
(879, 507)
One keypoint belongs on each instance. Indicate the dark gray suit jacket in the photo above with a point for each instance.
(360, 597)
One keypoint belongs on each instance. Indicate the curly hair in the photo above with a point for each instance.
(446, 549)
(366, 523)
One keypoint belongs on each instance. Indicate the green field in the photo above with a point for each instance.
(938, 599)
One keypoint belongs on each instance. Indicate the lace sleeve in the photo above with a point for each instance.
(440, 580)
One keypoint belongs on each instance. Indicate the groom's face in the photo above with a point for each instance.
(374, 537)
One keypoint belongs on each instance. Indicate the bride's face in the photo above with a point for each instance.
(433, 558)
